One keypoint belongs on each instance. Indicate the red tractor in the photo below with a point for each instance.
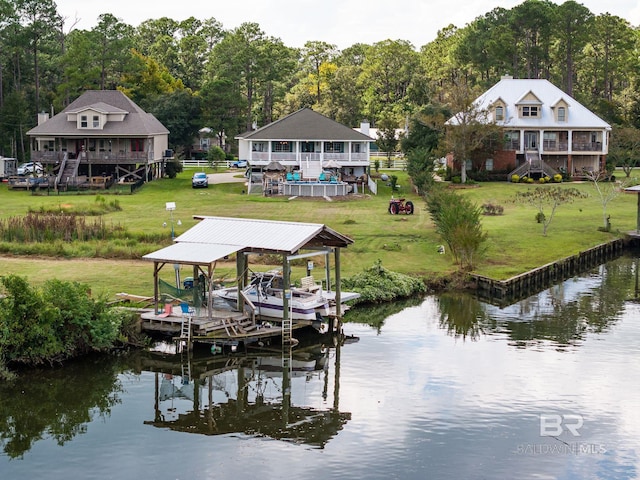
(398, 205)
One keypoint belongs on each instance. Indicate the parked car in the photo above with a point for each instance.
(239, 164)
(29, 167)
(199, 179)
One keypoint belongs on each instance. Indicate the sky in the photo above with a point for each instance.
(339, 22)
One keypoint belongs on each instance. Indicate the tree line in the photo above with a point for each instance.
(195, 73)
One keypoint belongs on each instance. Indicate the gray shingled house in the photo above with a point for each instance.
(307, 141)
(102, 136)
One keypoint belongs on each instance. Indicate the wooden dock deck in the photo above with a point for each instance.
(224, 327)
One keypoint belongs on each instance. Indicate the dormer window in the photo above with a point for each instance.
(499, 113)
(84, 123)
(562, 114)
(96, 121)
(530, 111)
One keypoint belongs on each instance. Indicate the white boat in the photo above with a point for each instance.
(265, 292)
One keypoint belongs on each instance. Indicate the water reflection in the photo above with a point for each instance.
(562, 314)
(249, 394)
(441, 387)
(57, 403)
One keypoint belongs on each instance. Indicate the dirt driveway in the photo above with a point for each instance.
(227, 177)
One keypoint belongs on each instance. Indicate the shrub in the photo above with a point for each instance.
(377, 284)
(456, 179)
(60, 320)
(457, 222)
(542, 180)
(515, 178)
(530, 180)
(491, 209)
(172, 168)
(557, 178)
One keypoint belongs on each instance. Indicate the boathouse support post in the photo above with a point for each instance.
(241, 267)
(336, 253)
(156, 289)
(327, 273)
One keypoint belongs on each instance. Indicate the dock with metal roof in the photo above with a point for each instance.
(215, 238)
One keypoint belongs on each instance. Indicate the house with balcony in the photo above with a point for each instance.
(101, 134)
(307, 142)
(545, 130)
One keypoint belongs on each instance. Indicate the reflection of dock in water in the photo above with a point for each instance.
(248, 393)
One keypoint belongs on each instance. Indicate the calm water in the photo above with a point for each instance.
(448, 387)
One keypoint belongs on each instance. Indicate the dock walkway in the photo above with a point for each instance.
(223, 327)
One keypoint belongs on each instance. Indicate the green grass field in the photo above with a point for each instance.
(404, 243)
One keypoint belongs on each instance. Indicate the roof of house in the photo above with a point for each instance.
(305, 124)
(514, 92)
(215, 237)
(137, 122)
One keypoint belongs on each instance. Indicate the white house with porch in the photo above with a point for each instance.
(305, 141)
(546, 131)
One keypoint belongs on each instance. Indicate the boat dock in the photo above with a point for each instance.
(189, 311)
(222, 328)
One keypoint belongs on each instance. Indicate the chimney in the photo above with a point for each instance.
(42, 117)
(506, 77)
(364, 128)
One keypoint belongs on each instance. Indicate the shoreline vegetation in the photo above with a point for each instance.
(86, 243)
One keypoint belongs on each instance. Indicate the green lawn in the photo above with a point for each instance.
(404, 243)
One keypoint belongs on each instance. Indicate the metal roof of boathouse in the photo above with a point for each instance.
(216, 237)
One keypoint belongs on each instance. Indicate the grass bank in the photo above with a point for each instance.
(404, 243)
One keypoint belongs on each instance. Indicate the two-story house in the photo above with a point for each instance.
(101, 133)
(307, 141)
(545, 130)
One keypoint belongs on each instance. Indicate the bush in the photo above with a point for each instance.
(58, 321)
(530, 180)
(542, 180)
(377, 284)
(515, 178)
(172, 168)
(557, 178)
(456, 179)
(491, 209)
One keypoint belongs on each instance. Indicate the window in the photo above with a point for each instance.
(307, 147)
(334, 147)
(562, 114)
(258, 147)
(499, 113)
(355, 148)
(529, 111)
(489, 165)
(468, 165)
(83, 121)
(96, 121)
(282, 147)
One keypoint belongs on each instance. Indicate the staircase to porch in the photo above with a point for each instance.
(68, 171)
(533, 167)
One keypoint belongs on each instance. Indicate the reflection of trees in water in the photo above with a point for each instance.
(462, 315)
(563, 314)
(374, 315)
(56, 403)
